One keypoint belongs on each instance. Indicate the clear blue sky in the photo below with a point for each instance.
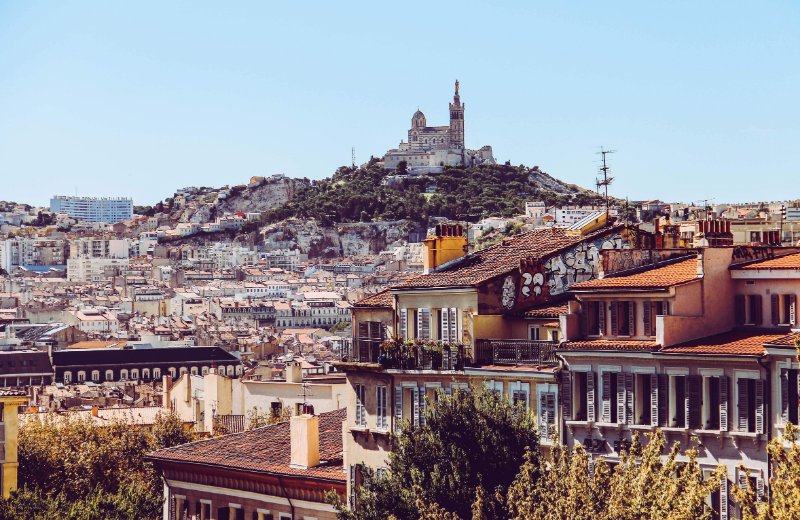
(700, 99)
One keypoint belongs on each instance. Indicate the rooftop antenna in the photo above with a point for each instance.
(606, 179)
(305, 394)
(353, 153)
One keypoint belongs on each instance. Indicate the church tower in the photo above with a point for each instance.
(457, 122)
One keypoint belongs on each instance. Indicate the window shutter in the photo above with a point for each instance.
(654, 400)
(601, 318)
(454, 325)
(352, 486)
(620, 398)
(723, 498)
(404, 324)
(760, 489)
(666, 308)
(628, 398)
(605, 396)
(694, 396)
(444, 325)
(550, 406)
(738, 302)
(743, 405)
(631, 318)
(424, 323)
(784, 396)
(759, 406)
(423, 405)
(363, 329)
(774, 304)
(792, 309)
(614, 322)
(566, 396)
(663, 396)
(543, 429)
(415, 405)
(758, 319)
(741, 478)
(590, 395)
(647, 316)
(723, 403)
(398, 407)
(590, 468)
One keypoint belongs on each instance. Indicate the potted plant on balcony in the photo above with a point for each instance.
(389, 356)
(431, 355)
(408, 358)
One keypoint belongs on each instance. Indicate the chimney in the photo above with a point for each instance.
(448, 243)
(95, 410)
(294, 372)
(304, 434)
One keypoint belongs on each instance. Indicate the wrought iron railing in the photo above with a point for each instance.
(515, 351)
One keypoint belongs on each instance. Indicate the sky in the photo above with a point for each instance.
(700, 100)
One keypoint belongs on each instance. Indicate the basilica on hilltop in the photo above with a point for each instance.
(430, 148)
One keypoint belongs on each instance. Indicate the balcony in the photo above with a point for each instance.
(515, 352)
(412, 354)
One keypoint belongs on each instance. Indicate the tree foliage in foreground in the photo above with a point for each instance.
(71, 468)
(470, 440)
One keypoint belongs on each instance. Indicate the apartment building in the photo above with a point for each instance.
(95, 259)
(93, 209)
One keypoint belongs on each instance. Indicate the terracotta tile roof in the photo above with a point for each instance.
(737, 342)
(624, 345)
(787, 340)
(493, 261)
(790, 261)
(266, 450)
(546, 311)
(657, 278)
(381, 299)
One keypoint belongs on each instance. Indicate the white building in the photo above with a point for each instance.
(93, 259)
(93, 209)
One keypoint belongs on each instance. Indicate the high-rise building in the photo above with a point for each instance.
(93, 209)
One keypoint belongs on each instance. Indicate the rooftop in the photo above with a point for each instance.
(382, 299)
(266, 450)
(790, 261)
(737, 342)
(610, 345)
(664, 277)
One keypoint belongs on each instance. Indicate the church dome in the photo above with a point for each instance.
(418, 120)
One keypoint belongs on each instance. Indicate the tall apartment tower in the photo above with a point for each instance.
(457, 122)
(93, 209)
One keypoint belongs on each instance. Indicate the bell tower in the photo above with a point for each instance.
(457, 122)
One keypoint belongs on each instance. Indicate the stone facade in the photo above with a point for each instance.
(430, 148)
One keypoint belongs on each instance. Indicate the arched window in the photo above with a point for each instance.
(172, 372)
(156, 373)
(230, 370)
(204, 371)
(135, 374)
(109, 375)
(193, 371)
(67, 377)
(238, 370)
(145, 374)
(81, 376)
(96, 376)
(123, 374)
(184, 370)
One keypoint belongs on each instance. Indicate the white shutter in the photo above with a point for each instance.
(784, 395)
(590, 397)
(415, 406)
(543, 431)
(423, 405)
(423, 323)
(403, 324)
(566, 395)
(723, 498)
(629, 398)
(605, 396)
(398, 407)
(601, 318)
(620, 398)
(759, 405)
(454, 325)
(760, 491)
(654, 399)
(723, 403)
(792, 309)
(444, 324)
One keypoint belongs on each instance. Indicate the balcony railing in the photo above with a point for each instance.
(515, 351)
(413, 355)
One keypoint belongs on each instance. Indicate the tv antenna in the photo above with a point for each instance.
(353, 154)
(606, 179)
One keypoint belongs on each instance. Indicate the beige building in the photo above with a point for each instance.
(10, 401)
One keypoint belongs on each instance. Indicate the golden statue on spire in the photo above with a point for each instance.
(456, 87)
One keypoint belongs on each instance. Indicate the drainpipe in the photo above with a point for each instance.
(283, 490)
(768, 410)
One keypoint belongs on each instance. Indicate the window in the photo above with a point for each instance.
(677, 403)
(595, 318)
(750, 395)
(156, 373)
(109, 375)
(135, 374)
(623, 319)
(547, 414)
(448, 325)
(520, 394)
(533, 332)
(123, 374)
(361, 413)
(747, 309)
(381, 399)
(67, 377)
(423, 323)
(495, 386)
(81, 376)
(368, 342)
(582, 396)
(96, 376)
(784, 309)
(643, 399)
(617, 397)
(789, 395)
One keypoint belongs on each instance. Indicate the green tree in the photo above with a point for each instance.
(470, 441)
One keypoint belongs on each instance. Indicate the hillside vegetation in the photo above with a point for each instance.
(362, 195)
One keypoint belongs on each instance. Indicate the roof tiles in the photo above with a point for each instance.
(790, 261)
(657, 278)
(737, 342)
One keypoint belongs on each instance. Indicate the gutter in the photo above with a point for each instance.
(286, 495)
(767, 411)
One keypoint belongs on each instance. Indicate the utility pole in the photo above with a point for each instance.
(606, 179)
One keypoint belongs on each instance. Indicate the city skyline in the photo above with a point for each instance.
(113, 100)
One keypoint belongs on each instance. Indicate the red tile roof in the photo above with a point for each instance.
(266, 450)
(790, 261)
(657, 278)
(737, 342)
(493, 261)
(786, 341)
(546, 311)
(381, 299)
(623, 345)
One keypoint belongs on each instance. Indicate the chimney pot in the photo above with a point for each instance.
(304, 436)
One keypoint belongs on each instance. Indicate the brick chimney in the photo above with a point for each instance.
(304, 434)
(448, 243)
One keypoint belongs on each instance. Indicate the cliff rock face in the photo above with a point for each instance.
(265, 195)
(353, 239)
